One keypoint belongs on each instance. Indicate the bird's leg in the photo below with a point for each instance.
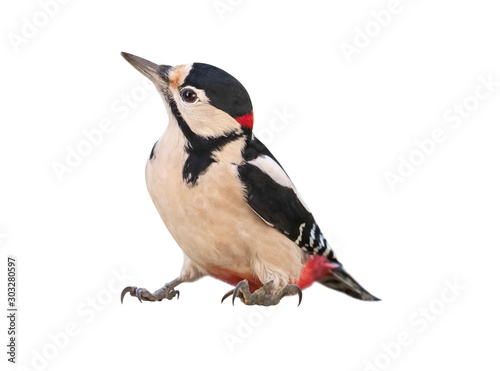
(262, 296)
(166, 292)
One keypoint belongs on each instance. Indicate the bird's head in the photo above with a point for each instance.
(206, 101)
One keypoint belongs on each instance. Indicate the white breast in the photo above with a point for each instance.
(212, 222)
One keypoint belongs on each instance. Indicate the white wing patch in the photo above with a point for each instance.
(271, 168)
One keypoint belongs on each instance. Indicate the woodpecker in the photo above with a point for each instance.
(226, 200)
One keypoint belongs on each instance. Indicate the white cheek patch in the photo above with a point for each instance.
(271, 168)
(203, 118)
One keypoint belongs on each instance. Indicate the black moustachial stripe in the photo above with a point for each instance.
(153, 151)
(196, 164)
(200, 149)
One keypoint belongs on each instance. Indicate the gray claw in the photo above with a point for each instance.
(262, 296)
(298, 290)
(167, 291)
(238, 288)
(176, 293)
(128, 289)
(226, 295)
(138, 293)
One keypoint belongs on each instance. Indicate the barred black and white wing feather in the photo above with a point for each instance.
(272, 195)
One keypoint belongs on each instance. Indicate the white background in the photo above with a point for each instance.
(351, 122)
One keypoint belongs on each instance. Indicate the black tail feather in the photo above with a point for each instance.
(341, 281)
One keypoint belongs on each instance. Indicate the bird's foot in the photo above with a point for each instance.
(166, 292)
(262, 296)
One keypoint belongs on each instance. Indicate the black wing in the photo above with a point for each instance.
(272, 195)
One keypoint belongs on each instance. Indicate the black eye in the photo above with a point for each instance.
(188, 95)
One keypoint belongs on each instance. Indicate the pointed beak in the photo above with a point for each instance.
(156, 73)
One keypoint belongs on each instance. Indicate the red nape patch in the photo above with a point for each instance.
(316, 268)
(246, 120)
